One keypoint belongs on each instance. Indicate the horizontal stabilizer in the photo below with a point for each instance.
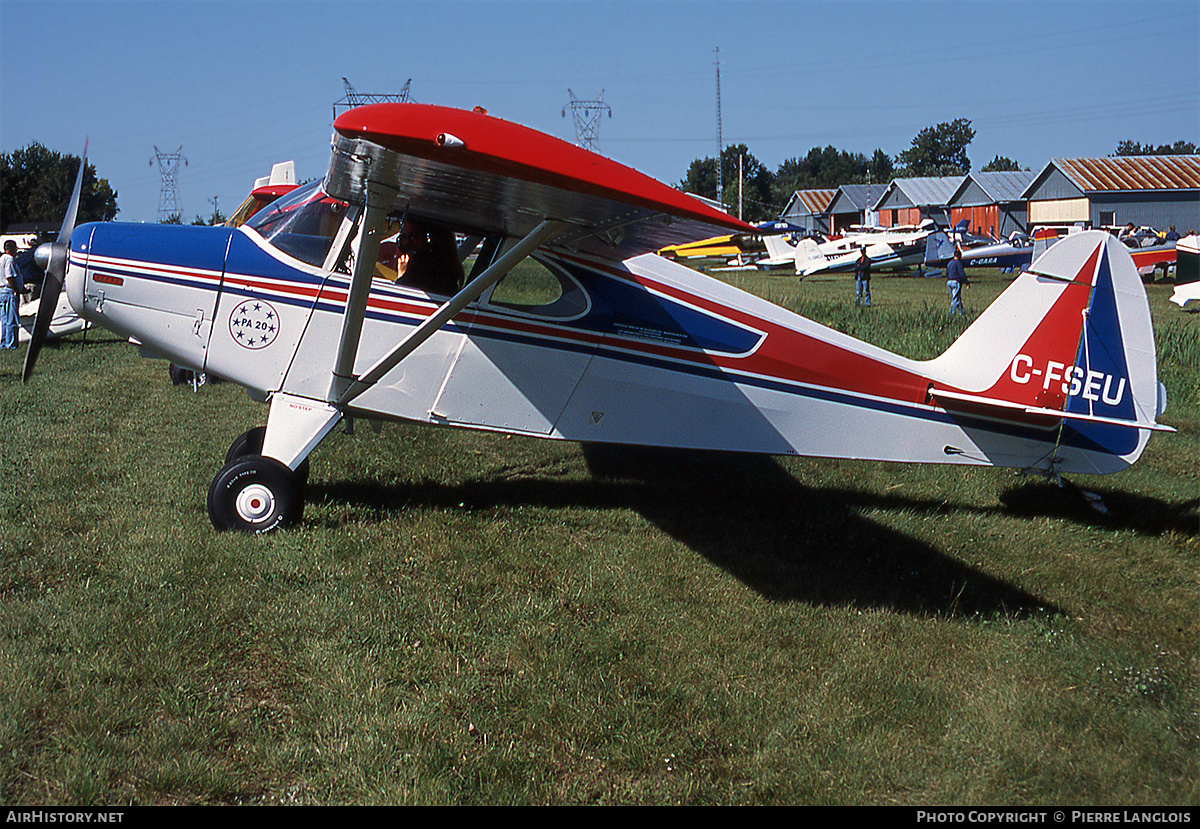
(1187, 271)
(948, 399)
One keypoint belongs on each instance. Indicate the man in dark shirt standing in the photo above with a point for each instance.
(862, 280)
(956, 279)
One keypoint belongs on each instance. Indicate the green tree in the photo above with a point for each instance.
(999, 164)
(1134, 148)
(829, 167)
(881, 168)
(701, 178)
(217, 218)
(939, 151)
(36, 184)
(764, 194)
(755, 180)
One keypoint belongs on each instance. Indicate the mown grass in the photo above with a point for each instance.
(470, 618)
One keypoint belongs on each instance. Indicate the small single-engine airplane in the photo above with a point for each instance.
(612, 344)
(267, 189)
(1187, 271)
(887, 248)
(1016, 252)
(1149, 251)
(64, 321)
(737, 250)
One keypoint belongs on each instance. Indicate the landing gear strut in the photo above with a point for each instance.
(250, 442)
(261, 493)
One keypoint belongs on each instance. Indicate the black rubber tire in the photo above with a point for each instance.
(255, 494)
(250, 442)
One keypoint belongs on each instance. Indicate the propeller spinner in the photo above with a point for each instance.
(51, 258)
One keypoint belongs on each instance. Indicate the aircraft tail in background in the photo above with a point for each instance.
(1187, 271)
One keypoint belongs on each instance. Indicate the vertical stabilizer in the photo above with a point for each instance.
(779, 249)
(1071, 338)
(809, 258)
(938, 249)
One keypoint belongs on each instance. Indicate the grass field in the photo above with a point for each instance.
(465, 618)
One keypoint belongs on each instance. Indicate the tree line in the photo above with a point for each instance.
(935, 151)
(36, 183)
(940, 150)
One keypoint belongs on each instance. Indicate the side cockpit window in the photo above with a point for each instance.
(302, 224)
(422, 256)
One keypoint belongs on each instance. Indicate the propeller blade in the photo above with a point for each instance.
(68, 225)
(52, 259)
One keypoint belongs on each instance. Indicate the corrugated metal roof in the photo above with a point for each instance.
(1004, 185)
(925, 191)
(814, 201)
(862, 196)
(1132, 172)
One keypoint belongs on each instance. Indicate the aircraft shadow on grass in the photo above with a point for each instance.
(786, 541)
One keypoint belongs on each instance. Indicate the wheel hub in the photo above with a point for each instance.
(255, 503)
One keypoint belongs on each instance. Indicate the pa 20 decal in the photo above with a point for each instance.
(254, 324)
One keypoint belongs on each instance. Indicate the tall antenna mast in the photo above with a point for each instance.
(587, 119)
(720, 145)
(168, 196)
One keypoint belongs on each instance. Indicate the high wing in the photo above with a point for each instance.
(472, 171)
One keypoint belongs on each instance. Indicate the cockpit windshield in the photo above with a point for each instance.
(302, 224)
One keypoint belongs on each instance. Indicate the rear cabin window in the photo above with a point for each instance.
(539, 290)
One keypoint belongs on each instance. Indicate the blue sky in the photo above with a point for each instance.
(241, 85)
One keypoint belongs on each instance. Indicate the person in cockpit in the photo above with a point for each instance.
(428, 259)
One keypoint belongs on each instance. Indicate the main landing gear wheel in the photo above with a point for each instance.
(250, 442)
(255, 494)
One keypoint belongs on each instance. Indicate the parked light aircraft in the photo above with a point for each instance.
(736, 249)
(64, 320)
(1187, 271)
(887, 248)
(1058, 375)
(1017, 252)
(1149, 251)
(267, 189)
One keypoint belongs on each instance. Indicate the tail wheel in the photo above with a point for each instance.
(255, 494)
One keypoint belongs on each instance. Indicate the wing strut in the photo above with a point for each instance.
(473, 289)
(379, 201)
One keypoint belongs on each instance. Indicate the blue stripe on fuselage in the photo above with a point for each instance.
(179, 246)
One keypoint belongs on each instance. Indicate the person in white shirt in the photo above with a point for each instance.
(11, 286)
